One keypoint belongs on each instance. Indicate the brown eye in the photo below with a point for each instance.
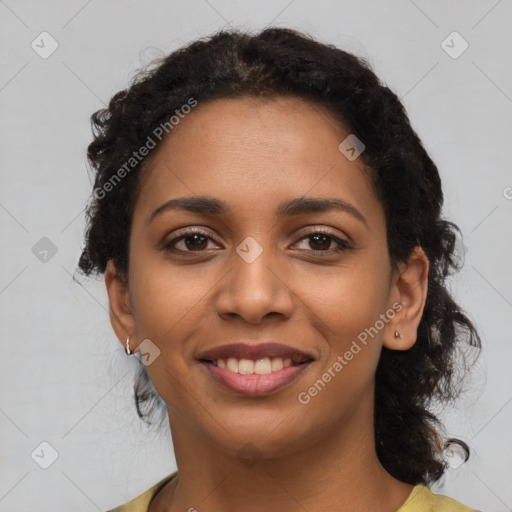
(195, 242)
(320, 242)
(191, 241)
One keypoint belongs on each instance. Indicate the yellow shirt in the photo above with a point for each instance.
(421, 499)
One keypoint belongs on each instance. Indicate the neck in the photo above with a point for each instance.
(338, 470)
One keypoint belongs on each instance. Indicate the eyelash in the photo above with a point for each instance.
(342, 244)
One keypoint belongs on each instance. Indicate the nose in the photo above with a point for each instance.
(254, 288)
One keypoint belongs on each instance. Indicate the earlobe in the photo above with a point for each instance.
(120, 310)
(410, 289)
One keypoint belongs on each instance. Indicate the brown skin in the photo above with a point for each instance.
(254, 154)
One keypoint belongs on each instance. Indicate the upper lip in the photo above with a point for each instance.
(255, 351)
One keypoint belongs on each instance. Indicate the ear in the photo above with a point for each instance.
(120, 309)
(409, 288)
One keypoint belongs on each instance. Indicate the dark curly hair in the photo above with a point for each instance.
(284, 62)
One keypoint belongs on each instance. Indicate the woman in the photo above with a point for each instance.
(269, 227)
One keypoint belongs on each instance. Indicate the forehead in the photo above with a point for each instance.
(255, 151)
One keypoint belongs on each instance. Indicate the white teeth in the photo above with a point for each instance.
(262, 366)
(232, 364)
(245, 366)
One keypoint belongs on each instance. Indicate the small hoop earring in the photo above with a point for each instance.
(398, 334)
(127, 348)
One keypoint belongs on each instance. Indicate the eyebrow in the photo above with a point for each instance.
(298, 206)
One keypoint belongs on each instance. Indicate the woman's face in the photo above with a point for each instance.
(259, 272)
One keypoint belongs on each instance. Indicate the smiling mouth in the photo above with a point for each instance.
(255, 369)
(258, 377)
(260, 366)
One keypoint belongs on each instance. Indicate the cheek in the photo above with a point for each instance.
(345, 313)
(167, 303)
(348, 301)
(167, 310)
(345, 308)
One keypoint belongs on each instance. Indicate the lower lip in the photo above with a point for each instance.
(255, 385)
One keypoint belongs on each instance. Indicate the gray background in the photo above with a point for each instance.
(63, 376)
